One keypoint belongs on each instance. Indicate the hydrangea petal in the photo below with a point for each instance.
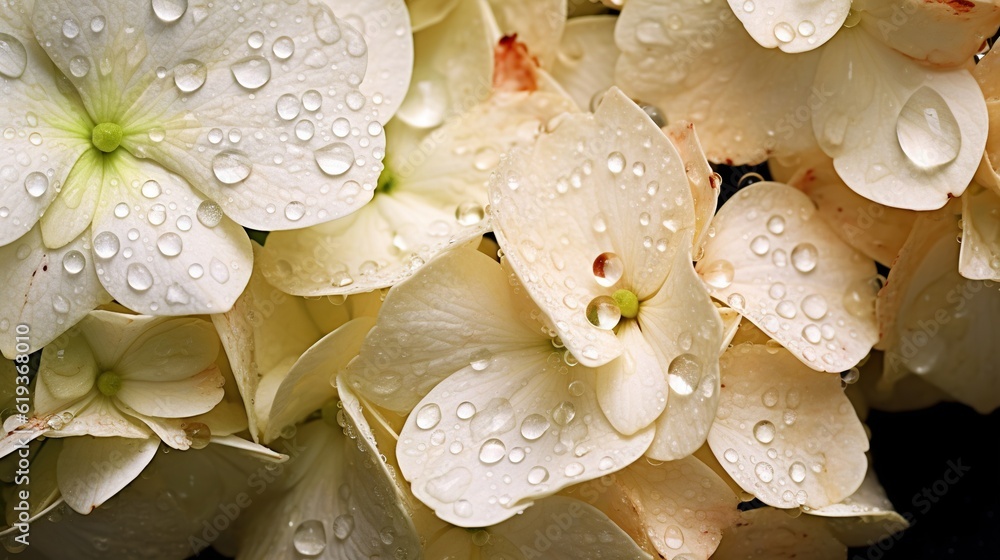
(585, 63)
(48, 290)
(193, 395)
(68, 371)
(778, 263)
(632, 207)
(72, 212)
(632, 389)
(770, 534)
(537, 23)
(874, 229)
(792, 26)
(95, 415)
(785, 433)
(979, 258)
(385, 25)
(484, 421)
(91, 470)
(425, 13)
(900, 134)
(45, 127)
(937, 324)
(435, 201)
(987, 74)
(167, 349)
(939, 33)
(865, 517)
(704, 182)
(162, 248)
(196, 119)
(400, 363)
(693, 60)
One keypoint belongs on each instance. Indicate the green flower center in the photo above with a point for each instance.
(107, 137)
(109, 383)
(386, 181)
(627, 302)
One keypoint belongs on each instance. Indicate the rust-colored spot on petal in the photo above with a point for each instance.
(515, 69)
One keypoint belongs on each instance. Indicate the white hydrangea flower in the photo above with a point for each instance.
(889, 97)
(140, 135)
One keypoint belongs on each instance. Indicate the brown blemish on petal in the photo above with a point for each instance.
(960, 6)
(515, 69)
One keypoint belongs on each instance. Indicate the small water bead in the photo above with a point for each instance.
(355, 100)
(769, 398)
(812, 333)
(776, 225)
(343, 526)
(169, 244)
(157, 214)
(341, 127)
(805, 257)
(190, 75)
(156, 134)
(719, 274)
(573, 470)
(763, 431)
(97, 24)
(36, 184)
(121, 210)
(231, 166)
(199, 434)
(603, 312)
(480, 359)
(736, 301)
(814, 306)
(608, 269)
(764, 471)
(169, 11)
(784, 32)
(70, 29)
(428, 416)
(797, 472)
(760, 245)
(335, 159)
(748, 179)
(60, 304)
(215, 135)
(806, 28)
(106, 244)
(309, 538)
(150, 189)
(283, 47)
(786, 309)
(684, 374)
(658, 117)
(196, 271)
(209, 213)
(850, 376)
(465, 410)
(305, 130)
(138, 277)
(537, 475)
(616, 162)
(295, 210)
(73, 262)
(218, 271)
(255, 40)
(469, 214)
(79, 66)
(184, 223)
(731, 455)
(133, 234)
(252, 72)
(534, 426)
(564, 413)
(288, 106)
(492, 451)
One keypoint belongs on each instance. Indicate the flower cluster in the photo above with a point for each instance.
(464, 278)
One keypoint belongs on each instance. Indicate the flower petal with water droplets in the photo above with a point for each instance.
(91, 470)
(979, 258)
(778, 263)
(865, 517)
(770, 534)
(704, 182)
(632, 389)
(537, 23)
(792, 26)
(585, 62)
(786, 434)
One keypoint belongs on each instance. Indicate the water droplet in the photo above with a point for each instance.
(492, 451)
(312, 100)
(469, 214)
(927, 130)
(784, 32)
(428, 416)
(196, 271)
(769, 398)
(603, 312)
(335, 159)
(684, 374)
(288, 106)
(797, 472)
(231, 166)
(343, 526)
(608, 269)
(764, 431)
(218, 271)
(806, 28)
(786, 309)
(73, 262)
(138, 277)
(150, 189)
(776, 225)
(79, 66)
(310, 536)
(564, 413)
(466, 410)
(537, 475)
(731, 455)
(190, 75)
(169, 11)
(252, 72)
(736, 301)
(326, 28)
(814, 306)
(805, 257)
(60, 304)
(36, 184)
(295, 210)
(169, 244)
(812, 333)
(673, 538)
(616, 162)
(658, 117)
(283, 48)
(209, 213)
(199, 434)
(106, 244)
(760, 245)
(13, 57)
(719, 274)
(157, 214)
(573, 469)
(850, 376)
(534, 426)
(764, 471)
(97, 24)
(70, 29)
(255, 40)
(480, 359)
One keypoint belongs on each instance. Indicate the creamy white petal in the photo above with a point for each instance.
(45, 128)
(770, 534)
(162, 248)
(191, 396)
(785, 433)
(939, 33)
(778, 263)
(792, 26)
(91, 470)
(979, 258)
(537, 23)
(585, 62)
(47, 290)
(987, 73)
(632, 388)
(434, 201)
(528, 418)
(67, 372)
(72, 212)
(385, 25)
(900, 134)
(693, 60)
(459, 310)
(864, 517)
(167, 349)
(589, 201)
(424, 13)
(211, 58)
(703, 181)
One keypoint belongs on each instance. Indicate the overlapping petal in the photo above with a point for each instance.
(91, 470)
(791, 25)
(979, 258)
(585, 63)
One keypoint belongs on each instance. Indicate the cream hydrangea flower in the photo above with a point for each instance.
(491, 394)
(901, 132)
(139, 136)
(598, 222)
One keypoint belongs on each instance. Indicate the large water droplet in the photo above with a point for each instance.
(784, 32)
(764, 471)
(603, 312)
(534, 426)
(776, 225)
(70, 29)
(537, 475)
(805, 257)
(335, 159)
(310, 537)
(295, 210)
(169, 11)
(252, 72)
(764, 431)
(673, 538)
(199, 434)
(469, 214)
(79, 66)
(428, 416)
(13, 57)
(106, 244)
(36, 184)
(814, 306)
(169, 244)
(564, 413)
(209, 213)
(608, 269)
(73, 262)
(797, 472)
(492, 451)
(684, 374)
(343, 526)
(138, 277)
(283, 47)
(719, 274)
(616, 162)
(190, 75)
(927, 130)
(97, 24)
(288, 106)
(231, 166)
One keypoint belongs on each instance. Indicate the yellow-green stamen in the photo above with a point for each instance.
(107, 137)
(627, 302)
(109, 383)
